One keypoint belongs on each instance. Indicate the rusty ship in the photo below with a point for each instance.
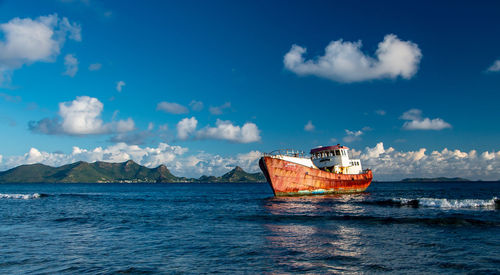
(326, 170)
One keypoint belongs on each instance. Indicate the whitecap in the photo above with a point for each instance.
(20, 196)
(451, 203)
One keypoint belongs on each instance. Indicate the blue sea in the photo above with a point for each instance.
(401, 228)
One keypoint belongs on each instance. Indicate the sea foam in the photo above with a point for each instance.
(20, 196)
(451, 203)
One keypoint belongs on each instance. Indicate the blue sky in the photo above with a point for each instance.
(437, 87)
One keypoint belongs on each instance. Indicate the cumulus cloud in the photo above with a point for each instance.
(352, 136)
(196, 105)
(390, 164)
(172, 107)
(119, 85)
(26, 41)
(345, 62)
(81, 116)
(95, 67)
(186, 127)
(495, 67)
(225, 130)
(176, 158)
(417, 122)
(71, 64)
(218, 110)
(386, 163)
(309, 126)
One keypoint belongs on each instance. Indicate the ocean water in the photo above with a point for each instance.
(411, 228)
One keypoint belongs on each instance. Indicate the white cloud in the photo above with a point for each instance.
(34, 156)
(412, 114)
(417, 122)
(186, 127)
(380, 112)
(225, 130)
(119, 85)
(95, 67)
(176, 158)
(27, 40)
(196, 105)
(218, 110)
(81, 116)
(345, 62)
(495, 67)
(71, 64)
(426, 124)
(386, 163)
(390, 164)
(352, 136)
(172, 107)
(309, 126)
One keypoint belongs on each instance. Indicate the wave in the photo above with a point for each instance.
(22, 196)
(439, 203)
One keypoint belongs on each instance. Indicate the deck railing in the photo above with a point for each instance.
(287, 152)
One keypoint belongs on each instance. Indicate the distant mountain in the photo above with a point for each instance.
(441, 179)
(235, 175)
(102, 172)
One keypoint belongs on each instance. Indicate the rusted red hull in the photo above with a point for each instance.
(288, 179)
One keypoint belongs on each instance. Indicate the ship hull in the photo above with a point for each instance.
(291, 179)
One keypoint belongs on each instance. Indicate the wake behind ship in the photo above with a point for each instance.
(328, 170)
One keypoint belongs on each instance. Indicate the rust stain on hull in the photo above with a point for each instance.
(289, 179)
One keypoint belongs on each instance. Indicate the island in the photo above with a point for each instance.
(107, 172)
(440, 179)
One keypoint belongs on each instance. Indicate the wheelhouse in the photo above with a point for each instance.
(335, 159)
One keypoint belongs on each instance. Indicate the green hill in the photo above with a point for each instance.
(126, 172)
(239, 175)
(235, 175)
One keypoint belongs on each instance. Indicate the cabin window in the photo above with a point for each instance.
(337, 152)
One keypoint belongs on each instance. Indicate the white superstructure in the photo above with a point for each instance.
(329, 158)
(335, 159)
